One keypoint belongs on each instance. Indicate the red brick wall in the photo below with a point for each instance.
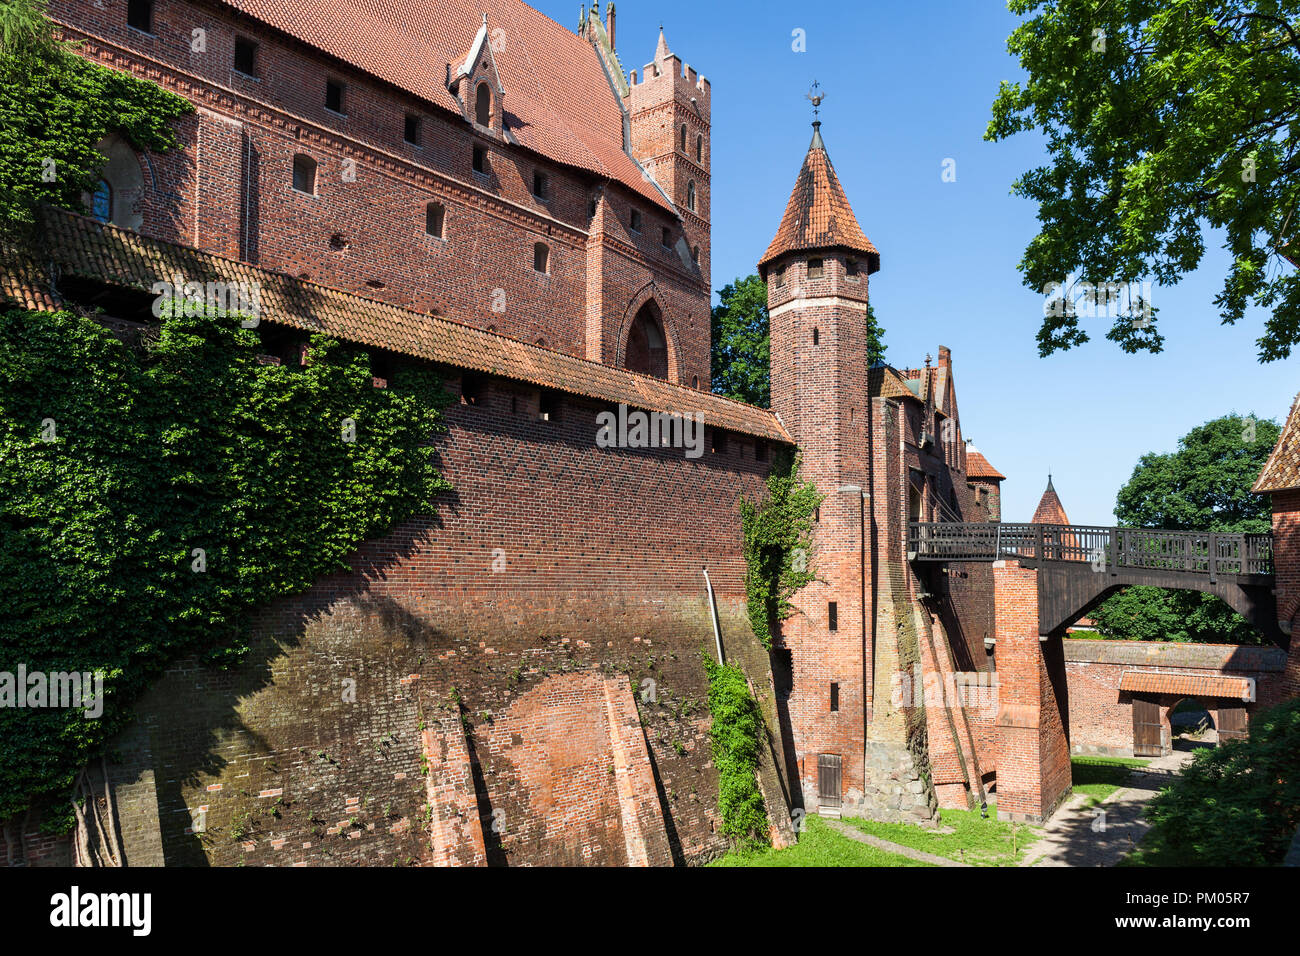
(228, 190)
(1101, 716)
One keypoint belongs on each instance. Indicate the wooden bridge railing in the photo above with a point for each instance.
(1193, 552)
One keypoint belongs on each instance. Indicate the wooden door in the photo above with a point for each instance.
(1232, 722)
(828, 781)
(1146, 728)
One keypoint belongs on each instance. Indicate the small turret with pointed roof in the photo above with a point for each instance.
(1050, 510)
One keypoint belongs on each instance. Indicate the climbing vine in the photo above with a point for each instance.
(735, 734)
(152, 495)
(777, 545)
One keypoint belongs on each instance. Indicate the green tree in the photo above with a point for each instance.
(1162, 118)
(55, 106)
(1203, 486)
(742, 342)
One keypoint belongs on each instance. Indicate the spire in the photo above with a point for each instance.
(1050, 510)
(818, 215)
(661, 51)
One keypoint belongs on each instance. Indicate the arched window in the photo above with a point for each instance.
(646, 350)
(699, 148)
(483, 105)
(434, 219)
(683, 138)
(541, 257)
(304, 173)
(690, 195)
(101, 202)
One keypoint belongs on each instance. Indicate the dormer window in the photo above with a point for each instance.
(483, 105)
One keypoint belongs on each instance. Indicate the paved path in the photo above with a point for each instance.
(1075, 836)
(853, 833)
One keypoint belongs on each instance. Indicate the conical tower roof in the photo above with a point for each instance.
(1050, 510)
(818, 216)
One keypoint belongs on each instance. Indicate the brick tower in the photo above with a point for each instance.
(670, 137)
(816, 270)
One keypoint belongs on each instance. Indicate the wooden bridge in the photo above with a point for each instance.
(1079, 566)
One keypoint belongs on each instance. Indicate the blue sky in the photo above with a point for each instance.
(909, 84)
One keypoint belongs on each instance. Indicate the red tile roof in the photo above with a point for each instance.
(818, 215)
(978, 467)
(1282, 470)
(558, 100)
(1188, 685)
(1050, 510)
(81, 247)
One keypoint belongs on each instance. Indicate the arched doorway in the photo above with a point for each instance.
(1191, 724)
(647, 348)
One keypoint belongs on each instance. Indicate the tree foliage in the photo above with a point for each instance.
(1203, 486)
(742, 342)
(55, 106)
(1161, 118)
(151, 497)
(1234, 805)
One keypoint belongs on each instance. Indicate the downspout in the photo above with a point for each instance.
(713, 609)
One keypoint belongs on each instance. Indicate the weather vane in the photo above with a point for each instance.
(815, 98)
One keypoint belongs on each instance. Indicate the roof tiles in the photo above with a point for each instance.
(1282, 470)
(1187, 685)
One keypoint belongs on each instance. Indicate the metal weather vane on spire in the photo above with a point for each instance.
(815, 98)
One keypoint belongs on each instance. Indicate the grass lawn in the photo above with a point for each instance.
(974, 840)
(818, 845)
(1098, 777)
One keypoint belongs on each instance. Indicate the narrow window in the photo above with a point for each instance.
(304, 174)
(718, 444)
(666, 239)
(435, 215)
(245, 56)
(591, 208)
(817, 514)
(816, 337)
(780, 278)
(548, 406)
(636, 220)
(139, 14)
(483, 105)
(682, 138)
(690, 195)
(814, 268)
(851, 268)
(699, 149)
(334, 96)
(472, 388)
(833, 616)
(541, 184)
(411, 129)
(541, 257)
(695, 254)
(101, 202)
(480, 160)
(835, 697)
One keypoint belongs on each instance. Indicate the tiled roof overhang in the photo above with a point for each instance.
(1188, 685)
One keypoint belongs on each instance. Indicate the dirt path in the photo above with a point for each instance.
(853, 833)
(1081, 836)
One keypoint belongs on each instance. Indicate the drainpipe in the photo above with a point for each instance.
(868, 680)
(713, 608)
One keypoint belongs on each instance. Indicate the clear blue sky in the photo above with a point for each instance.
(909, 84)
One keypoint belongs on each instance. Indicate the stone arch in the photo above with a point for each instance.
(123, 184)
(649, 295)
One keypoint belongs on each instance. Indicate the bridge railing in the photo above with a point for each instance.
(1195, 552)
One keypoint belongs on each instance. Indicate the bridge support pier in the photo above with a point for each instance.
(1033, 750)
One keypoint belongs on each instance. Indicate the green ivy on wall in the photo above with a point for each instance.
(777, 545)
(736, 733)
(151, 497)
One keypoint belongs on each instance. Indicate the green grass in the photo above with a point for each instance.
(1098, 777)
(974, 840)
(818, 845)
